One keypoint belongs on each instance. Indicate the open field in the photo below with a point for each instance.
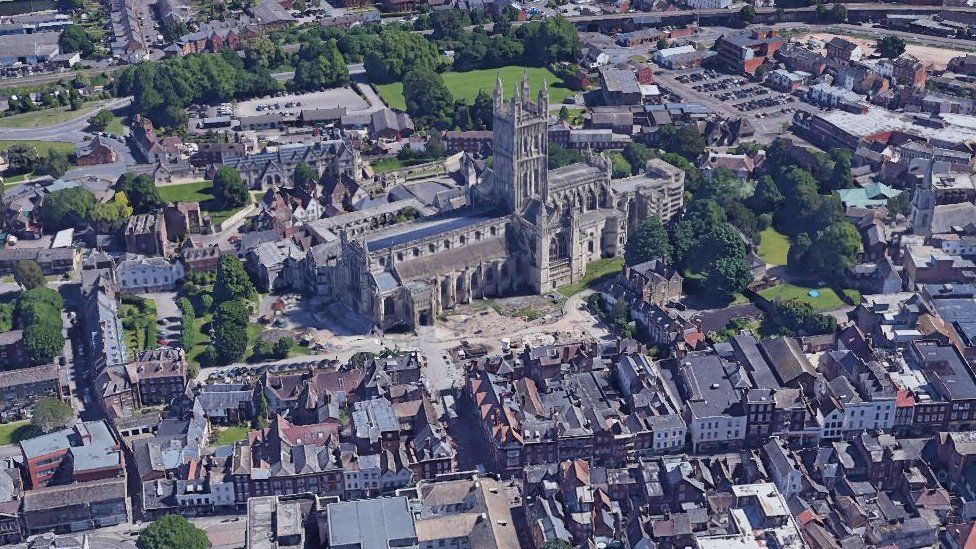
(46, 117)
(826, 301)
(773, 246)
(200, 191)
(466, 85)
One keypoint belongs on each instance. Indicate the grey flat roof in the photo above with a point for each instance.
(370, 523)
(401, 233)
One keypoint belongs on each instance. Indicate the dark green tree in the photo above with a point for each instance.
(29, 274)
(232, 281)
(229, 189)
(560, 156)
(684, 141)
(101, 120)
(747, 14)
(891, 46)
(260, 420)
(141, 191)
(52, 414)
(305, 174)
(172, 532)
(54, 163)
(728, 275)
(43, 342)
(395, 52)
(76, 38)
(320, 66)
(21, 158)
(427, 97)
(282, 347)
(66, 208)
(649, 241)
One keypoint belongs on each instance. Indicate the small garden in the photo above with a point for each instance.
(138, 316)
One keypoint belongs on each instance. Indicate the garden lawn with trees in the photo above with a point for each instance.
(202, 192)
(464, 86)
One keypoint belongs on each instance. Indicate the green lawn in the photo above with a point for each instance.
(466, 85)
(14, 432)
(230, 435)
(773, 246)
(41, 146)
(46, 117)
(386, 164)
(596, 272)
(826, 301)
(201, 337)
(200, 191)
(115, 127)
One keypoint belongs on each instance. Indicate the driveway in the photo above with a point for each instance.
(165, 304)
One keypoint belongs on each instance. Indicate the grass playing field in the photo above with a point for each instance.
(466, 85)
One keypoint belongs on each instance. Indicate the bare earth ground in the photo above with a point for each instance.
(936, 58)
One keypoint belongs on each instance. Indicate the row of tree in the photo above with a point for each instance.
(163, 89)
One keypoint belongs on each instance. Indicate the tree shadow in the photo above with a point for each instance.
(25, 432)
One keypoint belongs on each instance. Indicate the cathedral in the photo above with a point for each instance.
(526, 229)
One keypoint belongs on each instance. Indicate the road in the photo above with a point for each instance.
(73, 131)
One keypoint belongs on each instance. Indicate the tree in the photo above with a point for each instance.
(261, 53)
(557, 544)
(728, 275)
(29, 274)
(638, 155)
(21, 158)
(230, 331)
(320, 65)
(649, 241)
(560, 156)
(747, 14)
(396, 52)
(482, 111)
(55, 164)
(901, 204)
(838, 13)
(43, 341)
(172, 532)
(260, 420)
(427, 97)
(685, 141)
(282, 347)
(140, 191)
(101, 120)
(548, 41)
(66, 208)
(232, 282)
(835, 249)
(304, 174)
(563, 113)
(891, 46)
(229, 189)
(51, 414)
(76, 38)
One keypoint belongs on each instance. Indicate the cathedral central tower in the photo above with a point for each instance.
(520, 135)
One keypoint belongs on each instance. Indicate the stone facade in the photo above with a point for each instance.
(527, 229)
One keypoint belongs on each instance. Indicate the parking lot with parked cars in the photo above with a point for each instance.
(768, 110)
